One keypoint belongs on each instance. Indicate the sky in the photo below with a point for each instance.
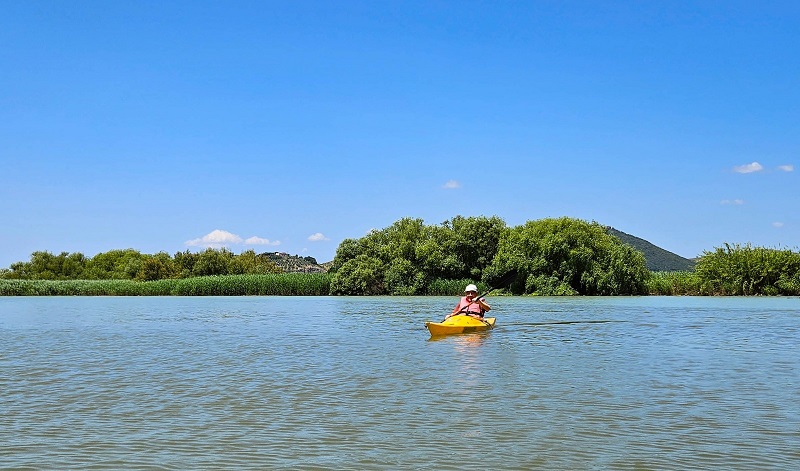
(290, 126)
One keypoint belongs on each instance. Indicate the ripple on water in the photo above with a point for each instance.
(353, 383)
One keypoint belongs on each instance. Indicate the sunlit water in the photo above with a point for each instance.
(355, 383)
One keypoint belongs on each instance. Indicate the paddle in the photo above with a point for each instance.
(503, 282)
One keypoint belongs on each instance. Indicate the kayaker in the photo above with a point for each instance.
(470, 304)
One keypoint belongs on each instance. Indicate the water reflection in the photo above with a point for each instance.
(473, 339)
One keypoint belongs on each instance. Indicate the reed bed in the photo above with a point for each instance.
(675, 283)
(744, 270)
(682, 283)
(278, 284)
(441, 287)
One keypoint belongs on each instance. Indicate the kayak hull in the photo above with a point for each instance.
(459, 325)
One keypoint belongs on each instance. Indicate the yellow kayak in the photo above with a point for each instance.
(460, 324)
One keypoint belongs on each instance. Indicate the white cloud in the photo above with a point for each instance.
(215, 238)
(749, 168)
(219, 238)
(787, 168)
(259, 241)
(736, 202)
(319, 236)
(777, 224)
(452, 185)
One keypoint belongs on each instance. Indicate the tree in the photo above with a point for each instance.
(115, 264)
(248, 262)
(403, 278)
(157, 267)
(476, 242)
(46, 266)
(413, 254)
(363, 275)
(212, 262)
(184, 262)
(567, 256)
(746, 270)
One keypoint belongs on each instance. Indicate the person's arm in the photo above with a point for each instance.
(483, 305)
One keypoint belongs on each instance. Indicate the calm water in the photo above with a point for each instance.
(355, 383)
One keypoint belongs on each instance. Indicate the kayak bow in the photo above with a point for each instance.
(460, 324)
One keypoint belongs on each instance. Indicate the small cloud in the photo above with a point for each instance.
(749, 168)
(786, 168)
(319, 236)
(259, 241)
(216, 238)
(452, 185)
(736, 202)
(777, 224)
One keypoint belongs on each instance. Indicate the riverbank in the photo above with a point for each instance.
(278, 284)
(299, 284)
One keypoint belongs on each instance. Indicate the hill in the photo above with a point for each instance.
(296, 263)
(657, 258)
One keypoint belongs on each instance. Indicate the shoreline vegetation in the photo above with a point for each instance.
(277, 284)
(314, 284)
(551, 257)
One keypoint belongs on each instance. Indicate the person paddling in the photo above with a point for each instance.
(470, 304)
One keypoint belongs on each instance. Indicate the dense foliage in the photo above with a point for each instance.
(734, 270)
(279, 284)
(568, 256)
(549, 257)
(552, 257)
(130, 264)
(674, 283)
(747, 270)
(406, 257)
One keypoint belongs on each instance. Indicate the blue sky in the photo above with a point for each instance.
(290, 126)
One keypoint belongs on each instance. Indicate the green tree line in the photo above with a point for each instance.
(555, 256)
(551, 257)
(734, 270)
(406, 257)
(131, 264)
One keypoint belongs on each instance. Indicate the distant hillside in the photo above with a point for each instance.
(657, 258)
(296, 263)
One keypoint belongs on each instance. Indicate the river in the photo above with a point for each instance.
(178, 383)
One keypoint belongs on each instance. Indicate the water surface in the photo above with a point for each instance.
(356, 383)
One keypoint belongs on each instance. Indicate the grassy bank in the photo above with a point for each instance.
(691, 283)
(309, 284)
(280, 284)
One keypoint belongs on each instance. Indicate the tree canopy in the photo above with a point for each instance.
(130, 264)
(404, 258)
(548, 257)
(747, 270)
(552, 257)
(568, 256)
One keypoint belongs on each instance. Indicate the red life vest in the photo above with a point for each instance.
(465, 307)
